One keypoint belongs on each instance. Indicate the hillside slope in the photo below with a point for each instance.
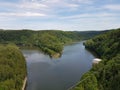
(12, 68)
(106, 74)
(50, 42)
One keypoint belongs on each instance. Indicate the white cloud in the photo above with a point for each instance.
(69, 1)
(59, 3)
(49, 7)
(23, 5)
(92, 15)
(59, 14)
(32, 5)
(23, 14)
(8, 5)
(84, 1)
(115, 7)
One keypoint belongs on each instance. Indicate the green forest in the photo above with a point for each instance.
(106, 74)
(12, 68)
(50, 42)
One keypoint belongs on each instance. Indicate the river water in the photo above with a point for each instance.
(45, 73)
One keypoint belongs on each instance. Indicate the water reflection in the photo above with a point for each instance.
(45, 73)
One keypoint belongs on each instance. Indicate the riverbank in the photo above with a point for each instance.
(45, 71)
(72, 87)
(104, 75)
(24, 83)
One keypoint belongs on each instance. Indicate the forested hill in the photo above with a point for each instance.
(106, 74)
(49, 41)
(12, 68)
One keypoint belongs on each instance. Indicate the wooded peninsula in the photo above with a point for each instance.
(51, 42)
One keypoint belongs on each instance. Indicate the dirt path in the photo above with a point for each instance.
(24, 83)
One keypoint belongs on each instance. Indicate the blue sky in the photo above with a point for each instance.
(60, 14)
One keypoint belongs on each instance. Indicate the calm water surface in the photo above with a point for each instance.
(45, 73)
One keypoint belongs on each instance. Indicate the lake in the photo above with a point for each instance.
(45, 73)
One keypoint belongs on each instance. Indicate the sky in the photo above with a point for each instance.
(68, 15)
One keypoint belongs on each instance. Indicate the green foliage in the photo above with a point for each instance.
(12, 63)
(107, 72)
(88, 82)
(105, 45)
(49, 41)
(12, 68)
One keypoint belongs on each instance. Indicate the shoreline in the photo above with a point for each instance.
(24, 83)
(72, 87)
